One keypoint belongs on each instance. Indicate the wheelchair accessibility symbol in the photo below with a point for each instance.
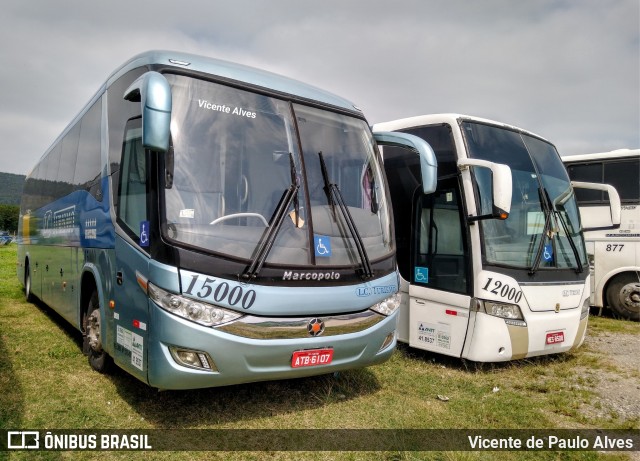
(322, 244)
(421, 274)
(548, 252)
(144, 234)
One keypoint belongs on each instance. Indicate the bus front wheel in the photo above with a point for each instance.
(623, 296)
(98, 357)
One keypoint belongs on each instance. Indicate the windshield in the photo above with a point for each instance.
(544, 215)
(238, 175)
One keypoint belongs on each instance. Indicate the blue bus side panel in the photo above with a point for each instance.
(55, 238)
(129, 318)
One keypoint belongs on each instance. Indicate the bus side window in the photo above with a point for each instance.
(132, 203)
(88, 168)
(623, 175)
(589, 172)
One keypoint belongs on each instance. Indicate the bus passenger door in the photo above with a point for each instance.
(131, 312)
(440, 285)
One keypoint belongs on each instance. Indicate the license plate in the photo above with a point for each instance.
(311, 358)
(555, 338)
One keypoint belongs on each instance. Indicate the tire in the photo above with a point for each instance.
(623, 296)
(30, 297)
(99, 360)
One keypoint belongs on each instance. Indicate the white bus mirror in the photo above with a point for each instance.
(154, 94)
(428, 162)
(598, 222)
(501, 186)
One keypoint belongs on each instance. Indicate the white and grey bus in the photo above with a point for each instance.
(205, 223)
(614, 255)
(493, 264)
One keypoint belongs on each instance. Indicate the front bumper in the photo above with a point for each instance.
(240, 356)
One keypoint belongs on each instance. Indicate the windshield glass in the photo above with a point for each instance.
(540, 183)
(235, 154)
(349, 155)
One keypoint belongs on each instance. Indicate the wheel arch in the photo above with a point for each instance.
(90, 281)
(606, 280)
(27, 263)
(26, 273)
(622, 295)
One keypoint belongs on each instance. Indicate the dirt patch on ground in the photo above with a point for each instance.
(617, 383)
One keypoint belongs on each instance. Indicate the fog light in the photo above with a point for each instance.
(193, 359)
(388, 341)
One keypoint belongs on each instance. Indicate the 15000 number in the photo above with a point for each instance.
(222, 292)
(503, 290)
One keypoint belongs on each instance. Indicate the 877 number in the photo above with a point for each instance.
(614, 247)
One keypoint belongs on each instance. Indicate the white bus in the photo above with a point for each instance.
(614, 255)
(204, 223)
(493, 264)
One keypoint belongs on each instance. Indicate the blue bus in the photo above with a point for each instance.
(204, 223)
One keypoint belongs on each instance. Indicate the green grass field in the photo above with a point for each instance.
(46, 383)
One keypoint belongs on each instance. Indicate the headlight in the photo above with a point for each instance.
(202, 313)
(585, 309)
(511, 313)
(387, 306)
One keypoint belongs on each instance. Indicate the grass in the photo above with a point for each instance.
(607, 324)
(46, 383)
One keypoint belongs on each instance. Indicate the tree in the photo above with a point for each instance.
(9, 216)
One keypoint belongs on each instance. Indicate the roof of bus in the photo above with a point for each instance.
(217, 67)
(233, 71)
(619, 153)
(431, 119)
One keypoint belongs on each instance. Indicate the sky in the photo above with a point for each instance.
(567, 70)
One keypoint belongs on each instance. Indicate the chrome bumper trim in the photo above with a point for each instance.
(289, 328)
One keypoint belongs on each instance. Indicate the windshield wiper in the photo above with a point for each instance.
(549, 211)
(268, 237)
(572, 244)
(373, 198)
(335, 196)
(294, 182)
(544, 200)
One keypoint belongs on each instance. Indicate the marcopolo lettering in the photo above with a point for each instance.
(291, 275)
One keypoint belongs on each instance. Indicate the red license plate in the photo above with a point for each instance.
(555, 338)
(311, 358)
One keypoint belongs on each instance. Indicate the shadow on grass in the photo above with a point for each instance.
(457, 363)
(228, 404)
(11, 393)
(243, 402)
(65, 327)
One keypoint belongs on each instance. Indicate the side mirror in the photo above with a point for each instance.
(599, 222)
(154, 94)
(428, 162)
(500, 186)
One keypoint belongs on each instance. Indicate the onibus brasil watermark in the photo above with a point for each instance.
(36, 440)
(321, 440)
